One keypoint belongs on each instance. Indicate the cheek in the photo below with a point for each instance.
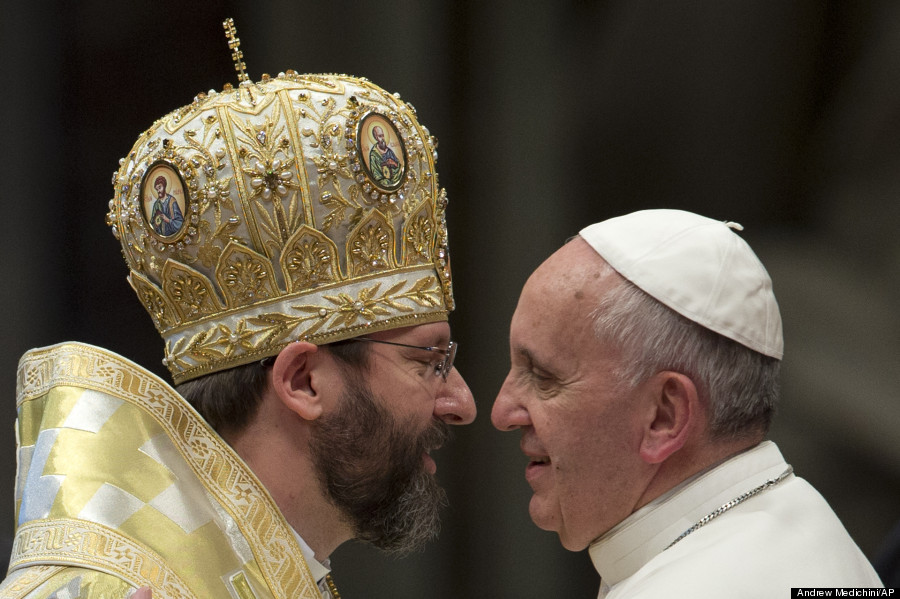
(407, 399)
(593, 448)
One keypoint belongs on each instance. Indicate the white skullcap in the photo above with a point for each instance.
(698, 267)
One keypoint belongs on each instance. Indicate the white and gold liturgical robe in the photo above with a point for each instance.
(782, 537)
(122, 484)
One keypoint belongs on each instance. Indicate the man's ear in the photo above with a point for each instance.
(674, 414)
(294, 382)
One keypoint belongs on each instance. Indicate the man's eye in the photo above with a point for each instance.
(543, 381)
(429, 366)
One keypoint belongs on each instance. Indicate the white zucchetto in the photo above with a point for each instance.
(699, 267)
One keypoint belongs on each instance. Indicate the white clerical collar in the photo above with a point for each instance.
(625, 548)
(318, 569)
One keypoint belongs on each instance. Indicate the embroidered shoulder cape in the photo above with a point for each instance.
(122, 484)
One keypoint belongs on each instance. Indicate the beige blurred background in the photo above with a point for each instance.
(782, 115)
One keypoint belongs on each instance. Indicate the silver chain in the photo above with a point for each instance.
(733, 503)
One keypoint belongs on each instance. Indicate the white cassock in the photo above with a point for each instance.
(785, 536)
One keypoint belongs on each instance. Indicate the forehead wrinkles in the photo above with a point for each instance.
(556, 309)
(552, 319)
(574, 274)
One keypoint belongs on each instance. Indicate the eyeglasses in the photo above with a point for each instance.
(442, 368)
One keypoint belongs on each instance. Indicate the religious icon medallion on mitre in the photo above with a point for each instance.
(164, 201)
(382, 152)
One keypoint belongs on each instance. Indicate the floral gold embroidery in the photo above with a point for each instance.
(155, 302)
(418, 237)
(309, 260)
(282, 208)
(191, 292)
(244, 276)
(371, 245)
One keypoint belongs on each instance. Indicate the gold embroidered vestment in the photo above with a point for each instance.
(121, 484)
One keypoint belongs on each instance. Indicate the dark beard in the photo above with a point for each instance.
(370, 465)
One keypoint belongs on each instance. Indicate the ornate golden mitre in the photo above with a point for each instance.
(297, 207)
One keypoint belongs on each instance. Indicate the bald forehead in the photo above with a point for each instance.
(576, 270)
(551, 324)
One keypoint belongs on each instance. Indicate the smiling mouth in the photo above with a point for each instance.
(536, 465)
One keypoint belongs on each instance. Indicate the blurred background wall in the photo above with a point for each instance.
(783, 115)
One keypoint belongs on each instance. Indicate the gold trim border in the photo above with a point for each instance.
(323, 315)
(219, 468)
(80, 543)
(403, 273)
(28, 581)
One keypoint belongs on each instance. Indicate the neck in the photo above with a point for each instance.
(691, 460)
(275, 447)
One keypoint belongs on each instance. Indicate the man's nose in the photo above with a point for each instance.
(508, 413)
(455, 403)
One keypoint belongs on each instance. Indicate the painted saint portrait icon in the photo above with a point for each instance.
(163, 200)
(382, 151)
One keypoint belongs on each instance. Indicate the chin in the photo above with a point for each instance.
(572, 544)
(551, 521)
(543, 518)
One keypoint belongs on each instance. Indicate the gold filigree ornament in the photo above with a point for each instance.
(296, 207)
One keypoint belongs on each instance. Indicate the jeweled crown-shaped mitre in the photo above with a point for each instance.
(297, 207)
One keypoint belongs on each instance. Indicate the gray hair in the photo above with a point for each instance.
(740, 385)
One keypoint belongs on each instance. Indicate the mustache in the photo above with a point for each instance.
(435, 436)
(370, 465)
